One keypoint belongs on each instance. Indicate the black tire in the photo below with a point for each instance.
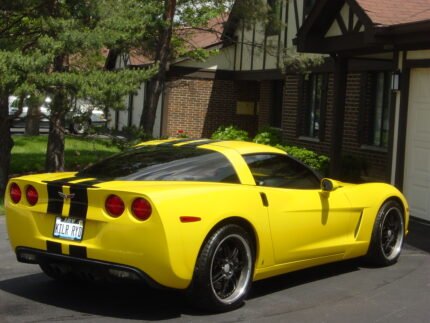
(224, 270)
(80, 127)
(387, 236)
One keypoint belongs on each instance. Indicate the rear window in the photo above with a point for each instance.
(157, 163)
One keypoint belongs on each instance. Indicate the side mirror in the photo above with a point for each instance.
(328, 185)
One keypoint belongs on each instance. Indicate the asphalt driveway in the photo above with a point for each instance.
(343, 292)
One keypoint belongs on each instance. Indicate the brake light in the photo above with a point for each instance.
(114, 205)
(15, 193)
(32, 195)
(141, 209)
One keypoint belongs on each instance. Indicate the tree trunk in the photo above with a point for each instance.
(32, 122)
(55, 149)
(6, 142)
(162, 57)
(56, 138)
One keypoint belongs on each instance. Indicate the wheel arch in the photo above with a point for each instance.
(243, 223)
(404, 209)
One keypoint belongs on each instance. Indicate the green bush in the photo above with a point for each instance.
(308, 157)
(273, 137)
(128, 137)
(230, 133)
(268, 136)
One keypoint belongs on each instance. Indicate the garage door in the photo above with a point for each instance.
(416, 183)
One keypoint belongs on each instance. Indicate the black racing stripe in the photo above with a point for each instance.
(55, 202)
(199, 143)
(174, 142)
(89, 183)
(53, 247)
(78, 251)
(79, 201)
(62, 180)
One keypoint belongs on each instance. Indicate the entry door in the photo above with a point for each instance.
(416, 184)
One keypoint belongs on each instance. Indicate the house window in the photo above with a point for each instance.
(314, 104)
(377, 119)
(248, 96)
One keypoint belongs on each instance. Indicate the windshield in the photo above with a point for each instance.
(157, 163)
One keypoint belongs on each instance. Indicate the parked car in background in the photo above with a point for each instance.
(20, 120)
(78, 120)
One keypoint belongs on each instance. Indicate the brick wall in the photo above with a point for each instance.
(375, 163)
(199, 106)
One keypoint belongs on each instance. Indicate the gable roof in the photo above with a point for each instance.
(195, 38)
(367, 25)
(395, 12)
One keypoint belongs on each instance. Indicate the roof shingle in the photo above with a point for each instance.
(396, 12)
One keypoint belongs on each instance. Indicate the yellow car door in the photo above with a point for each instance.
(305, 222)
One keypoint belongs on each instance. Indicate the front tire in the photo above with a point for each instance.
(387, 236)
(80, 127)
(224, 270)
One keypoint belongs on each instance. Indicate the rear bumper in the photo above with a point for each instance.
(83, 267)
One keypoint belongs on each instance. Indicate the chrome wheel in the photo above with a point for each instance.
(230, 270)
(224, 269)
(392, 233)
(387, 236)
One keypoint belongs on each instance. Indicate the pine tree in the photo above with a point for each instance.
(55, 47)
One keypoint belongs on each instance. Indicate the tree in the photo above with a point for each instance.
(167, 43)
(55, 47)
(15, 67)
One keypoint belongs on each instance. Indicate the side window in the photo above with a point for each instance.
(281, 171)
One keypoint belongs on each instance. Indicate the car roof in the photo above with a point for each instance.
(241, 147)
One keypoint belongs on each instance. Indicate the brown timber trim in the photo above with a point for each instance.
(296, 15)
(350, 20)
(241, 47)
(197, 73)
(286, 25)
(340, 79)
(252, 48)
(341, 24)
(408, 65)
(279, 36)
(392, 121)
(272, 74)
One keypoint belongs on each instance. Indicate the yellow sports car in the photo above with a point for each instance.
(208, 217)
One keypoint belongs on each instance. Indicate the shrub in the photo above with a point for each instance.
(230, 133)
(128, 137)
(308, 157)
(268, 136)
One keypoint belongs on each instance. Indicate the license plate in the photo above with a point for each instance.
(68, 228)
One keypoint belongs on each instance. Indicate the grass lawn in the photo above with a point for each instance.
(28, 153)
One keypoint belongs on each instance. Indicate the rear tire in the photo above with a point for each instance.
(224, 270)
(387, 236)
(80, 127)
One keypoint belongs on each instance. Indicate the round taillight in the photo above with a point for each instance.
(32, 195)
(141, 209)
(114, 205)
(15, 193)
